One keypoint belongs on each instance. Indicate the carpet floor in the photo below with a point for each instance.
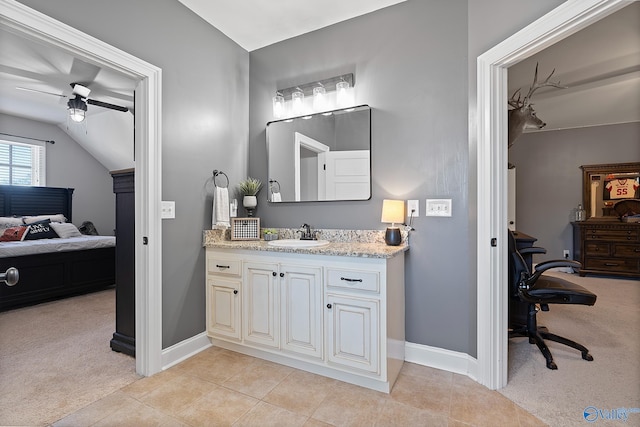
(611, 331)
(72, 364)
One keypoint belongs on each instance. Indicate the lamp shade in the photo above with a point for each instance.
(392, 211)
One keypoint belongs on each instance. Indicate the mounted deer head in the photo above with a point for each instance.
(522, 115)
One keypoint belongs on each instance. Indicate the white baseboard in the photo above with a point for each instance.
(184, 350)
(439, 358)
(447, 360)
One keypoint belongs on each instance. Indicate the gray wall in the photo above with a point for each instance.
(549, 178)
(414, 64)
(204, 127)
(71, 166)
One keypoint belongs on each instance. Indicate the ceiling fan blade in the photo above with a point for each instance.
(82, 71)
(107, 105)
(41, 91)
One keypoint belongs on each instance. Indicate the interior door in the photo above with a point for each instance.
(346, 175)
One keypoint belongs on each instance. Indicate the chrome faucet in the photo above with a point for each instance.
(306, 233)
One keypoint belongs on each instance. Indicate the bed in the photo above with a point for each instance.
(51, 268)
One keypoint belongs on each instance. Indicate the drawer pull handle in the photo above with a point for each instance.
(281, 274)
(636, 250)
(329, 306)
(274, 274)
(223, 266)
(611, 264)
(235, 292)
(346, 279)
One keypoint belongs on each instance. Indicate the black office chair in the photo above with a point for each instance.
(536, 289)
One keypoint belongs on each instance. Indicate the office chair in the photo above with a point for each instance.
(536, 289)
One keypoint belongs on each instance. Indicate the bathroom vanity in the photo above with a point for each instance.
(335, 310)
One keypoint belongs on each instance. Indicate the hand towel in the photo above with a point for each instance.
(275, 197)
(220, 211)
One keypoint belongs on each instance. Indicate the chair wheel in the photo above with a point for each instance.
(587, 356)
(551, 365)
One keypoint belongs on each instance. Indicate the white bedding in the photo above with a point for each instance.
(42, 246)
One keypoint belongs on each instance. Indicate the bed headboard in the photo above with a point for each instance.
(18, 200)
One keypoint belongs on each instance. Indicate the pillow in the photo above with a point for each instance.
(65, 229)
(14, 234)
(10, 221)
(40, 230)
(53, 218)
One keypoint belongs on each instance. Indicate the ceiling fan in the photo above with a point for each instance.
(77, 105)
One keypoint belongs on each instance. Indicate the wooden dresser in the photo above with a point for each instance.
(607, 246)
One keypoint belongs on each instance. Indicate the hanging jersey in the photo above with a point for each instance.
(622, 188)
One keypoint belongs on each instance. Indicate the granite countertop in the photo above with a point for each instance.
(352, 243)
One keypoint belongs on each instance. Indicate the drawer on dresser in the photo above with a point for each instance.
(597, 249)
(605, 234)
(227, 267)
(353, 279)
(613, 264)
(622, 250)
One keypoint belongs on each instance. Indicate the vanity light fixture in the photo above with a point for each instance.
(77, 109)
(278, 106)
(392, 212)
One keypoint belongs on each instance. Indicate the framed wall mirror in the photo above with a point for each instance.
(606, 184)
(320, 157)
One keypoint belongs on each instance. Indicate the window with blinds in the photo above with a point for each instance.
(22, 164)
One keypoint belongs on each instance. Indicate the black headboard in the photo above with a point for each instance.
(17, 200)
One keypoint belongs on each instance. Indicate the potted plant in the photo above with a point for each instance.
(270, 234)
(249, 189)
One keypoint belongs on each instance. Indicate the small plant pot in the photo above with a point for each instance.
(270, 237)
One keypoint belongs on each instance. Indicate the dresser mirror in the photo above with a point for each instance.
(606, 184)
(320, 157)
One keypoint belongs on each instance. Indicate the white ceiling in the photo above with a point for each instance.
(600, 64)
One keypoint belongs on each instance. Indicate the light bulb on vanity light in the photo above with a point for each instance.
(392, 212)
(319, 98)
(344, 94)
(297, 102)
(278, 106)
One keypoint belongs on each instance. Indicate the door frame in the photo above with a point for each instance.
(32, 24)
(491, 134)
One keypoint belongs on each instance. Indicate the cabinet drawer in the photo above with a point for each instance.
(353, 279)
(227, 267)
(617, 235)
(613, 264)
(597, 249)
(630, 251)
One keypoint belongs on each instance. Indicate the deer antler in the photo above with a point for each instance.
(535, 86)
(513, 102)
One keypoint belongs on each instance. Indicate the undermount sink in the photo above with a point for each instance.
(295, 243)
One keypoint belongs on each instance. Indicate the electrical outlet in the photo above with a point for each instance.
(413, 208)
(566, 254)
(438, 207)
(168, 210)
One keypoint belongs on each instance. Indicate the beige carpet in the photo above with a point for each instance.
(55, 359)
(611, 331)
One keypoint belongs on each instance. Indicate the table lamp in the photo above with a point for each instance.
(393, 212)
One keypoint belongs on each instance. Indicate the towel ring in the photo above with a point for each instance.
(216, 172)
(272, 182)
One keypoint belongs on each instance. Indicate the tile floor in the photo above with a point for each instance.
(218, 387)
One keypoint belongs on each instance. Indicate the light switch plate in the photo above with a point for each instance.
(438, 207)
(168, 209)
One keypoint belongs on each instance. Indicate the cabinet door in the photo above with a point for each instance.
(301, 309)
(260, 322)
(223, 307)
(353, 332)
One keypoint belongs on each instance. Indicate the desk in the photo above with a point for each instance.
(518, 309)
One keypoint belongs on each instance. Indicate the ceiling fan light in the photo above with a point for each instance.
(76, 114)
(77, 108)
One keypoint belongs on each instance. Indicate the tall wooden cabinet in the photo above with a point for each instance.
(124, 339)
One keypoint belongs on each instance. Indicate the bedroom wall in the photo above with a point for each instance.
(204, 127)
(549, 178)
(69, 165)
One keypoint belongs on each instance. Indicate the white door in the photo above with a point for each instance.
(223, 307)
(346, 175)
(301, 309)
(353, 332)
(260, 300)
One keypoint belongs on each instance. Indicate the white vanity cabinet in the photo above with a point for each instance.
(337, 316)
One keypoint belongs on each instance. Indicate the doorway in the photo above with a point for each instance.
(492, 297)
(29, 23)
